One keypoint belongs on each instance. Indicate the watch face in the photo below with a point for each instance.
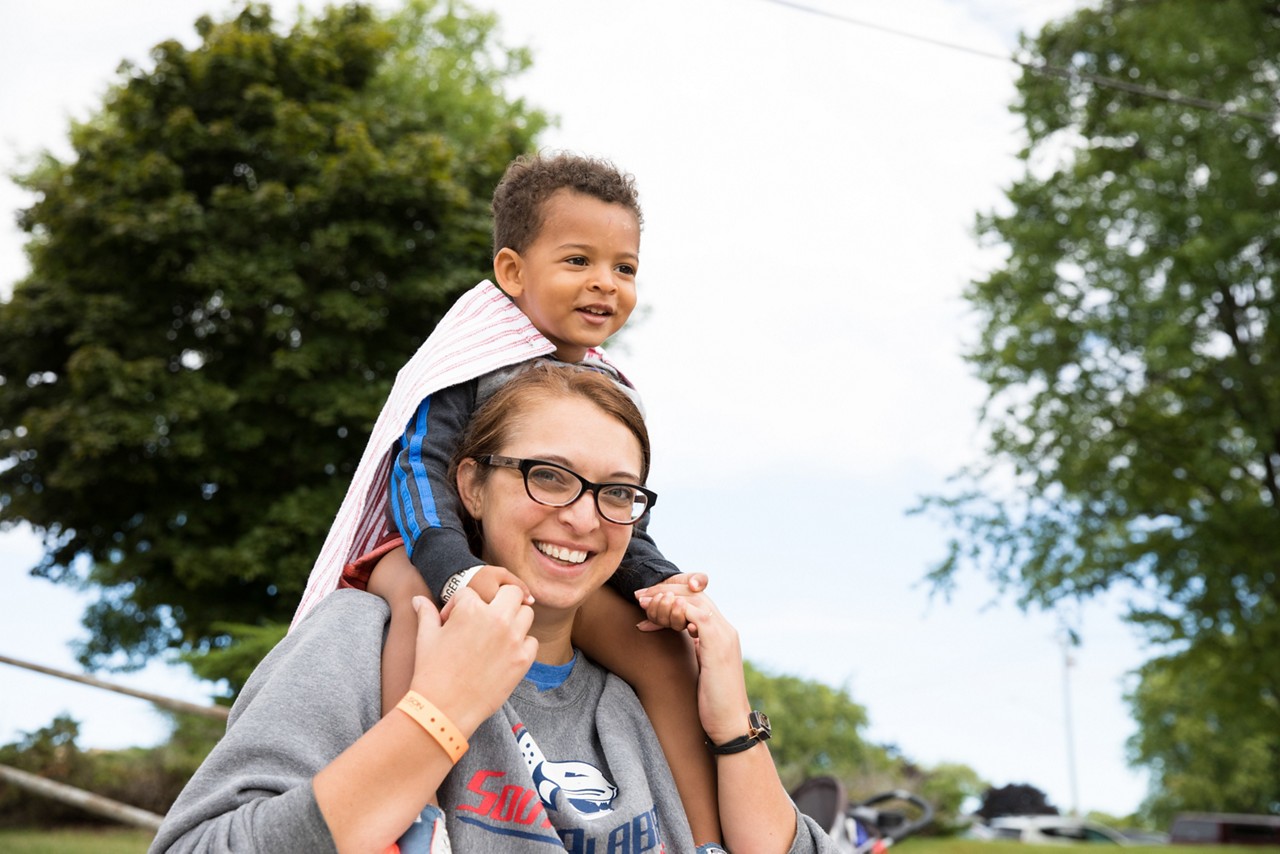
(758, 724)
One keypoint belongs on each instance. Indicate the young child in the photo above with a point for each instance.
(566, 252)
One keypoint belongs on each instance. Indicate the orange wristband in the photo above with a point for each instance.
(435, 723)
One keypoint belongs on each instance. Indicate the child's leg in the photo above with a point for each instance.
(663, 669)
(398, 581)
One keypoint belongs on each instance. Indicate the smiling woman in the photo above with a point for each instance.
(520, 740)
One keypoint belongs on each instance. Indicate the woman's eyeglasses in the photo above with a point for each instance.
(556, 486)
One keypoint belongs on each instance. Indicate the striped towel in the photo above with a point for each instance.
(483, 331)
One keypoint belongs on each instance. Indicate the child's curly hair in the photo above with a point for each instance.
(531, 179)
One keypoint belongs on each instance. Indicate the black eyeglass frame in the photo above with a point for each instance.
(526, 465)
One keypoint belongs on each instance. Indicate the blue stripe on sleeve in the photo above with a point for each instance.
(414, 507)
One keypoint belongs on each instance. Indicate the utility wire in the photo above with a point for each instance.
(1046, 69)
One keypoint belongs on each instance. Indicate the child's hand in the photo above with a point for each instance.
(665, 604)
(486, 583)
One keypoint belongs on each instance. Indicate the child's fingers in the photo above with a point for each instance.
(490, 579)
(682, 584)
(506, 576)
(664, 610)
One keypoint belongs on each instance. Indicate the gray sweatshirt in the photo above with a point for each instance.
(574, 768)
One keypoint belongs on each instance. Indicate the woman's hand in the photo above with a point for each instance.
(723, 705)
(755, 813)
(486, 582)
(469, 665)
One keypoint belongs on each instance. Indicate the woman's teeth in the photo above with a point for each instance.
(561, 553)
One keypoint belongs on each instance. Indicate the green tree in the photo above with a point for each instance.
(949, 787)
(820, 731)
(1128, 342)
(149, 778)
(250, 239)
(1211, 744)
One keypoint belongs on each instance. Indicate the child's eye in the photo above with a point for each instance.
(626, 269)
(577, 260)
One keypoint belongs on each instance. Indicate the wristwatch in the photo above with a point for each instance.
(758, 730)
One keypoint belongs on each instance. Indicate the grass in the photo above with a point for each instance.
(95, 841)
(927, 845)
(136, 842)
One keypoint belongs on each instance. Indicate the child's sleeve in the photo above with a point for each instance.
(423, 505)
(643, 565)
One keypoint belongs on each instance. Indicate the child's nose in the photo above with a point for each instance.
(604, 281)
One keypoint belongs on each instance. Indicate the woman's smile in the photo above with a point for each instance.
(561, 553)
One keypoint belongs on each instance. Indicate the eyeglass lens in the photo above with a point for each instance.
(616, 502)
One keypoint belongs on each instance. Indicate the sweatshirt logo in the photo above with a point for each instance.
(582, 785)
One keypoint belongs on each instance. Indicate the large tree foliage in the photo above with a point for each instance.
(1129, 343)
(250, 239)
(1204, 735)
(822, 734)
(819, 733)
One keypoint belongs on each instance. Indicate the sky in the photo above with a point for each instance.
(809, 188)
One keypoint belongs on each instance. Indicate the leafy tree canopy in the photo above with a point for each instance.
(250, 239)
(1207, 740)
(1128, 341)
(819, 733)
(823, 732)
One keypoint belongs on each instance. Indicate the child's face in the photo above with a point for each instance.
(576, 282)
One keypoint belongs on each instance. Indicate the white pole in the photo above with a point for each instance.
(1067, 664)
(88, 801)
(219, 712)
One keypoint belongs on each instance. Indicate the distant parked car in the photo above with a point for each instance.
(1217, 828)
(1053, 830)
(1144, 837)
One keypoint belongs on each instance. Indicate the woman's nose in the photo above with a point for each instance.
(581, 513)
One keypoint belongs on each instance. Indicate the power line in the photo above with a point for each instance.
(1046, 69)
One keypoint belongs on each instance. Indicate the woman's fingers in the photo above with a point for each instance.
(469, 664)
(487, 581)
(722, 689)
(428, 617)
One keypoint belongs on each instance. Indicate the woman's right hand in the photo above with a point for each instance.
(470, 664)
(487, 582)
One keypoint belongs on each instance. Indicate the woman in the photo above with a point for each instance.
(559, 751)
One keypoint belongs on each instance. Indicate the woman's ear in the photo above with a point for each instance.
(508, 269)
(469, 487)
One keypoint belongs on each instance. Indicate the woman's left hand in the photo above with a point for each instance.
(723, 705)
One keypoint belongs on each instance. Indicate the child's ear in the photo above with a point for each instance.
(508, 269)
(469, 487)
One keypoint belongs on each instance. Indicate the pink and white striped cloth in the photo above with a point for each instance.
(483, 331)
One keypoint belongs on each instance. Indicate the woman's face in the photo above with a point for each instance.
(563, 553)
